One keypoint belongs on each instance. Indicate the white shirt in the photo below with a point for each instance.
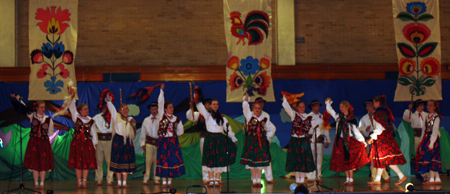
(211, 124)
(248, 114)
(303, 116)
(101, 125)
(319, 120)
(75, 115)
(150, 128)
(51, 128)
(120, 126)
(364, 123)
(354, 129)
(417, 120)
(180, 128)
(435, 133)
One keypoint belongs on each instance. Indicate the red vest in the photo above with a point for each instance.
(299, 126)
(82, 130)
(429, 124)
(38, 129)
(164, 126)
(254, 124)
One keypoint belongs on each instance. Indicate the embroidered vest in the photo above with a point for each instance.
(299, 126)
(38, 129)
(164, 126)
(429, 124)
(82, 130)
(253, 125)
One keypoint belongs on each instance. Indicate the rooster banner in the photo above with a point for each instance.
(418, 38)
(249, 42)
(53, 26)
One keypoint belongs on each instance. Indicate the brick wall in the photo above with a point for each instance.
(190, 32)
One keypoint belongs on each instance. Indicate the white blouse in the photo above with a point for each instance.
(435, 133)
(319, 120)
(42, 118)
(211, 124)
(120, 126)
(75, 115)
(248, 114)
(150, 128)
(291, 113)
(417, 120)
(180, 128)
(364, 123)
(354, 129)
(100, 124)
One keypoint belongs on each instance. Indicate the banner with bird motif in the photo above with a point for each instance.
(53, 28)
(249, 42)
(418, 42)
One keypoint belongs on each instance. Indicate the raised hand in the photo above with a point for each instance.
(163, 86)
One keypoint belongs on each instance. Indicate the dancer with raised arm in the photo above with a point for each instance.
(149, 141)
(349, 152)
(170, 161)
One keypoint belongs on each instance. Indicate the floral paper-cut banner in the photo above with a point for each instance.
(52, 40)
(249, 43)
(417, 33)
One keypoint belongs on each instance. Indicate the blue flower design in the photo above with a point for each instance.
(53, 87)
(416, 8)
(58, 50)
(47, 50)
(249, 65)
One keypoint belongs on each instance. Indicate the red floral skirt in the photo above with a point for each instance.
(39, 155)
(385, 151)
(357, 155)
(82, 154)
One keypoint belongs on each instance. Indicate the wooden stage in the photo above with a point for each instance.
(237, 185)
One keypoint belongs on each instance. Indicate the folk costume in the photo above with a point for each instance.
(417, 120)
(149, 139)
(39, 154)
(201, 127)
(349, 152)
(323, 137)
(215, 146)
(123, 159)
(102, 127)
(170, 161)
(82, 150)
(429, 151)
(385, 151)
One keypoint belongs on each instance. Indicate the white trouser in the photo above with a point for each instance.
(268, 172)
(150, 158)
(312, 175)
(205, 176)
(103, 151)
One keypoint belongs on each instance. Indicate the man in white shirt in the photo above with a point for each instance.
(322, 139)
(417, 120)
(268, 170)
(149, 140)
(366, 127)
(103, 149)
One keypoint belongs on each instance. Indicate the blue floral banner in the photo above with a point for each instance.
(249, 42)
(418, 41)
(53, 27)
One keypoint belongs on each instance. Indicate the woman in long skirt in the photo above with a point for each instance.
(385, 151)
(82, 150)
(169, 162)
(349, 152)
(256, 152)
(123, 127)
(299, 157)
(39, 154)
(214, 160)
(429, 151)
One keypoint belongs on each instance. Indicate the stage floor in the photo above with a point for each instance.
(237, 185)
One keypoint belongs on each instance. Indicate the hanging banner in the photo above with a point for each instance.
(249, 42)
(418, 38)
(53, 28)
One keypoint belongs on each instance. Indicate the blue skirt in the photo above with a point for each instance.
(428, 159)
(123, 159)
(170, 161)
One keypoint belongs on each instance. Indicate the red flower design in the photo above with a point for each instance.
(235, 81)
(67, 57)
(37, 57)
(52, 23)
(233, 62)
(64, 72)
(430, 66)
(43, 71)
(416, 33)
(407, 66)
(264, 63)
